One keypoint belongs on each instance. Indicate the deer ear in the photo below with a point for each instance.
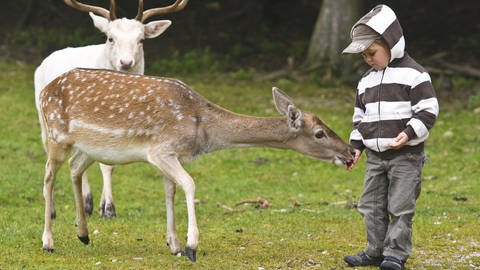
(281, 101)
(155, 28)
(294, 118)
(100, 22)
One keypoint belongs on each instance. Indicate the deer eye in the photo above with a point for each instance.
(319, 134)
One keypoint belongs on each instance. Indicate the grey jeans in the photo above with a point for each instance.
(387, 205)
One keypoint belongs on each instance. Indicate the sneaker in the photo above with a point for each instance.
(392, 263)
(362, 259)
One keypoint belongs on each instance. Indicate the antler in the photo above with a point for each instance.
(98, 10)
(144, 15)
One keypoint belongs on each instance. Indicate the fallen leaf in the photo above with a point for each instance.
(260, 201)
(448, 134)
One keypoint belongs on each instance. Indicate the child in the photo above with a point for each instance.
(394, 109)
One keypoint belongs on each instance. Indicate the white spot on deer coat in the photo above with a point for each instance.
(193, 119)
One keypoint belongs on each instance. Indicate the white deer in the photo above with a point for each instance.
(123, 51)
(165, 123)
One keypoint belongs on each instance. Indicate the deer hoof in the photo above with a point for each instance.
(88, 201)
(84, 239)
(179, 254)
(107, 210)
(48, 249)
(191, 254)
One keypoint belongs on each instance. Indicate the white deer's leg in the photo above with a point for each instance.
(174, 170)
(107, 208)
(79, 162)
(172, 238)
(87, 194)
(51, 168)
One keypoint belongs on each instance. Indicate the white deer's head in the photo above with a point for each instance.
(124, 45)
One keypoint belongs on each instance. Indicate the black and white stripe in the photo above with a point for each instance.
(399, 98)
(383, 20)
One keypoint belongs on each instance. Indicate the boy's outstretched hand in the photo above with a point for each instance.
(400, 141)
(358, 153)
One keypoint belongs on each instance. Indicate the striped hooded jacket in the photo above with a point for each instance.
(398, 98)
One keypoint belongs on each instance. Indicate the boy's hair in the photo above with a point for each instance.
(380, 41)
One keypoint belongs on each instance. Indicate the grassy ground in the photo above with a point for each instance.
(310, 223)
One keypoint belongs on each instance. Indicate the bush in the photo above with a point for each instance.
(243, 74)
(46, 40)
(196, 61)
(474, 101)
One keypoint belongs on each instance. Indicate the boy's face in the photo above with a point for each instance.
(376, 56)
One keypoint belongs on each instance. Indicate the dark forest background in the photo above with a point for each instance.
(252, 35)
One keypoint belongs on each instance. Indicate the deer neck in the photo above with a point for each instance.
(234, 130)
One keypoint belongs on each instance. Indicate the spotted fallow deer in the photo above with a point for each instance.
(123, 51)
(117, 118)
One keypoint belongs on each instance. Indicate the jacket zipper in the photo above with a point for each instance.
(379, 99)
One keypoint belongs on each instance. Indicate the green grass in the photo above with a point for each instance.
(309, 223)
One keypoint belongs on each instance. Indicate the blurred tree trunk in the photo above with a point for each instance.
(25, 15)
(330, 36)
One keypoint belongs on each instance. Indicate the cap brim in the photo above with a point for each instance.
(358, 45)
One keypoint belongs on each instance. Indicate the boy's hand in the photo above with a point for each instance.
(358, 153)
(400, 141)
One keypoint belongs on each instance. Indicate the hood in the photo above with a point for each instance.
(383, 20)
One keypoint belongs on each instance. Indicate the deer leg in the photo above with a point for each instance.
(79, 162)
(172, 238)
(87, 194)
(174, 171)
(53, 213)
(51, 168)
(107, 208)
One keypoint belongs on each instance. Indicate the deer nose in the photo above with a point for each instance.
(126, 64)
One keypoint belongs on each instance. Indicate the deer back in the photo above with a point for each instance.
(119, 105)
